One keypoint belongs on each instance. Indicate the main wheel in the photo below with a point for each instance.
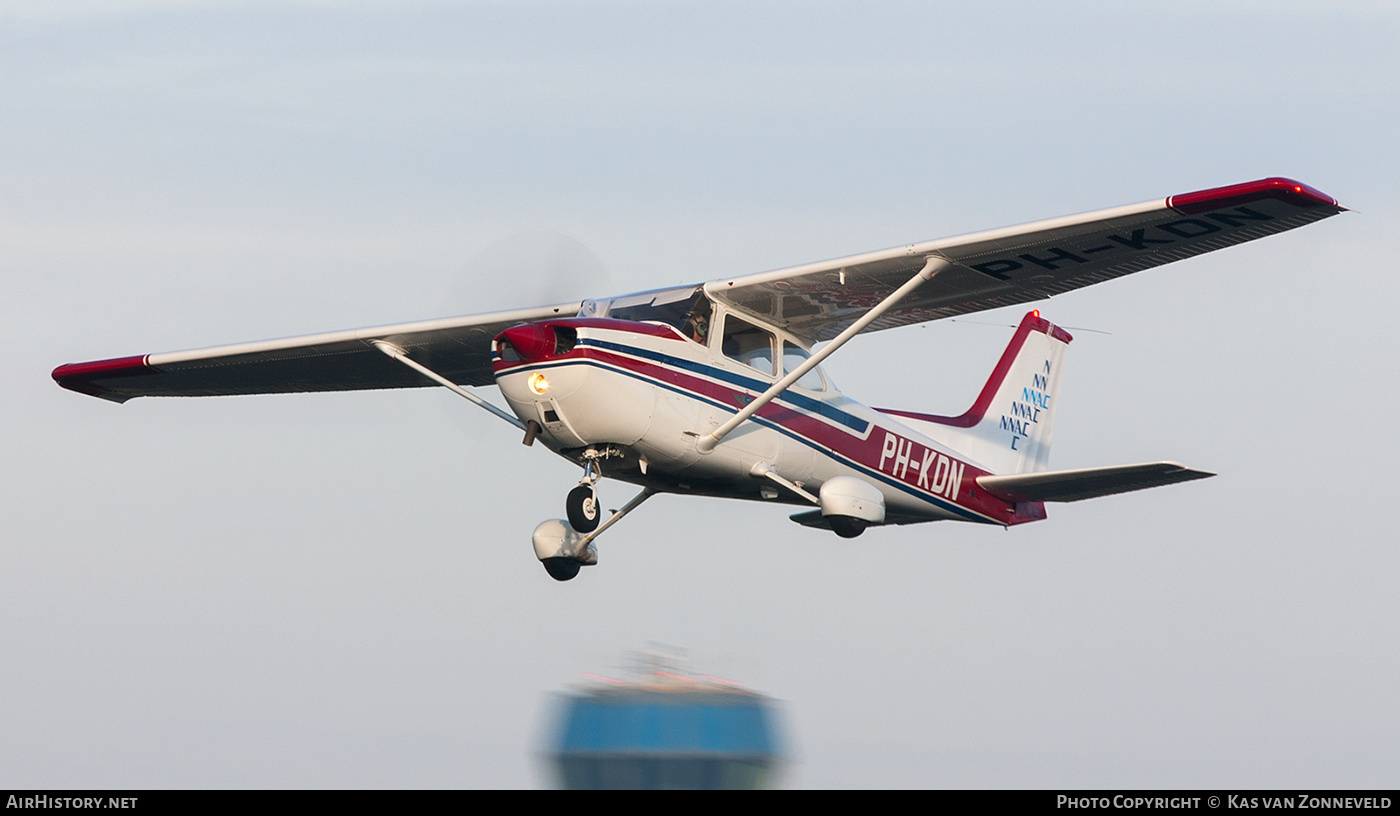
(561, 569)
(582, 507)
(845, 526)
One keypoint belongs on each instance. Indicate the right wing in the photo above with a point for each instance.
(459, 348)
(1087, 483)
(1012, 265)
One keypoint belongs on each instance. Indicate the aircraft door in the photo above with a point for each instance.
(748, 351)
(745, 343)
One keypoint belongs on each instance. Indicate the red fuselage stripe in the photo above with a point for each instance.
(865, 453)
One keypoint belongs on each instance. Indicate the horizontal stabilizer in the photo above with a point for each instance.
(814, 518)
(811, 518)
(1087, 483)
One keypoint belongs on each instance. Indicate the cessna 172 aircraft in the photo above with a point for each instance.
(713, 388)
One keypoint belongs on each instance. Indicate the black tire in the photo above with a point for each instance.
(846, 526)
(582, 507)
(561, 569)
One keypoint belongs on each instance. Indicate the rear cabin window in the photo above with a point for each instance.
(794, 356)
(748, 344)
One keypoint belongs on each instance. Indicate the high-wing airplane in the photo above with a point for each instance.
(713, 389)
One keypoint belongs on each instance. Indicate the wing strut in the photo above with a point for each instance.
(934, 265)
(402, 356)
(766, 471)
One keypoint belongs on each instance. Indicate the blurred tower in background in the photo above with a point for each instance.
(665, 729)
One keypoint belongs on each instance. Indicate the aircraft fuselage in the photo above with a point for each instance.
(647, 391)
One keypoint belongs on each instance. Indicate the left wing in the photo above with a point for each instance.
(459, 348)
(1014, 265)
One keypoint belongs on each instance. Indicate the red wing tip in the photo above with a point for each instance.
(81, 377)
(1294, 192)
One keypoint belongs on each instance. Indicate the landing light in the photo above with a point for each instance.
(538, 383)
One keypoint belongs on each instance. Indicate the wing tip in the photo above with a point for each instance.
(1285, 189)
(83, 377)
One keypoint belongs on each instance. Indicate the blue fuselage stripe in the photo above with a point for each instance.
(921, 495)
(815, 406)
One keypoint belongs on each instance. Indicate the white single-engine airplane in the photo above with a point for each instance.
(712, 389)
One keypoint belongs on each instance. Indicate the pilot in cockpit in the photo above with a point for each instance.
(697, 323)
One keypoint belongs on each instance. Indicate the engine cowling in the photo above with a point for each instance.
(552, 376)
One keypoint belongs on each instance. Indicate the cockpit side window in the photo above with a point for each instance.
(696, 325)
(748, 344)
(794, 356)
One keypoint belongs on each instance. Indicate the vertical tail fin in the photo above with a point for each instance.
(1008, 428)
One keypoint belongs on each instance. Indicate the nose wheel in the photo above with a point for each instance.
(582, 508)
(563, 549)
(582, 503)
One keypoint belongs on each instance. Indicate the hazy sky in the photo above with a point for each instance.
(339, 590)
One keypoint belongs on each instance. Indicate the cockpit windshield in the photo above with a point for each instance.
(684, 307)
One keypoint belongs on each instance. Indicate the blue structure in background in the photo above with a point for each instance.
(667, 731)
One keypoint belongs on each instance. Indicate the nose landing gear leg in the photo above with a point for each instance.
(582, 503)
(582, 508)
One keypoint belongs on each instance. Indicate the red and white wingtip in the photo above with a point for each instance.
(86, 378)
(1293, 192)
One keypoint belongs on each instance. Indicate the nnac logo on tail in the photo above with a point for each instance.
(1025, 412)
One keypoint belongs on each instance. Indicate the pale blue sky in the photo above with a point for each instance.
(324, 590)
